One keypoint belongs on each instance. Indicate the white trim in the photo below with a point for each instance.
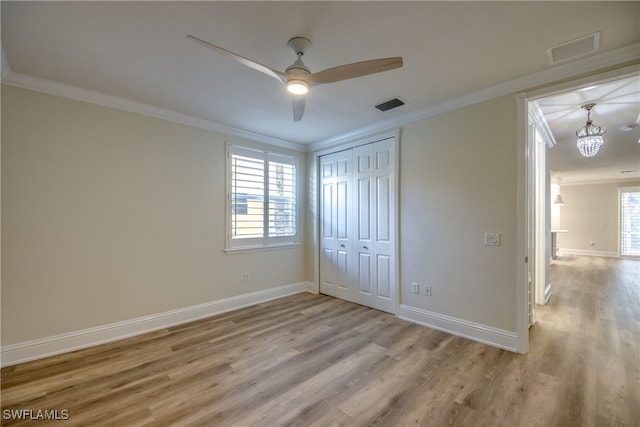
(547, 76)
(71, 341)
(578, 83)
(587, 252)
(495, 337)
(523, 212)
(396, 222)
(541, 124)
(248, 249)
(313, 215)
(64, 90)
(600, 181)
(369, 139)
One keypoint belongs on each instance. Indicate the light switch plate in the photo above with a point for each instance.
(492, 239)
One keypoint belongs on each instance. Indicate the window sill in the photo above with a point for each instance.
(247, 249)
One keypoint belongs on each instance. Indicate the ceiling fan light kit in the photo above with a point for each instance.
(297, 87)
(297, 77)
(590, 136)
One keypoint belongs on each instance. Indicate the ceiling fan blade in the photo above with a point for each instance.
(357, 69)
(280, 76)
(298, 103)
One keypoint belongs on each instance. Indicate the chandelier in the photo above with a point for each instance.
(590, 136)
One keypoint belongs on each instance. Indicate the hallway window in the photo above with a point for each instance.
(629, 221)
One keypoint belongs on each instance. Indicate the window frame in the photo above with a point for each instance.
(266, 242)
(621, 191)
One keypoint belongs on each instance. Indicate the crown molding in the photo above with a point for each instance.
(631, 180)
(64, 90)
(521, 84)
(541, 123)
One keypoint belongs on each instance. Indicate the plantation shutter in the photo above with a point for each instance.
(282, 197)
(262, 198)
(629, 222)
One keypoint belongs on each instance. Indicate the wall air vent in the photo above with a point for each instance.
(574, 49)
(390, 104)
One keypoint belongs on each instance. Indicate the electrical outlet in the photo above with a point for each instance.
(415, 288)
(246, 277)
(427, 290)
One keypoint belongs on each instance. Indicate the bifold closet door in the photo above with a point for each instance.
(335, 230)
(357, 254)
(373, 168)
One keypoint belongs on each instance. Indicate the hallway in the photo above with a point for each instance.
(589, 333)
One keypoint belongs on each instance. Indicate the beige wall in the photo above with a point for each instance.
(458, 181)
(109, 216)
(590, 214)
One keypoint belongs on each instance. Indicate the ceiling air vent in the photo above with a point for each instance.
(390, 104)
(574, 49)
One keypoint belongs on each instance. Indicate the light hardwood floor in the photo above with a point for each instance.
(314, 360)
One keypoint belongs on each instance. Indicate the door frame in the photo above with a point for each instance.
(526, 200)
(542, 207)
(315, 211)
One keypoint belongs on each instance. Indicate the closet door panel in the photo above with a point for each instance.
(342, 210)
(384, 220)
(343, 269)
(383, 276)
(327, 210)
(364, 209)
(328, 250)
(336, 256)
(364, 273)
(327, 268)
(383, 209)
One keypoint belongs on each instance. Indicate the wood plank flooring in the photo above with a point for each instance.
(310, 360)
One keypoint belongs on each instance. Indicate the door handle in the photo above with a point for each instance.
(365, 248)
(343, 246)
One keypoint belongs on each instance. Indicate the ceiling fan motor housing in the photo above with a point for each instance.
(299, 44)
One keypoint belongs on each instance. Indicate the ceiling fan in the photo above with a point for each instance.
(298, 78)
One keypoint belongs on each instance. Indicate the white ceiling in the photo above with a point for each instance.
(138, 51)
(617, 109)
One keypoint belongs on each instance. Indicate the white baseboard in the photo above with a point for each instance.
(63, 343)
(474, 331)
(587, 252)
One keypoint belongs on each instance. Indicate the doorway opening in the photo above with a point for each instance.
(552, 116)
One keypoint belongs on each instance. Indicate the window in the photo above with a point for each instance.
(629, 221)
(262, 198)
